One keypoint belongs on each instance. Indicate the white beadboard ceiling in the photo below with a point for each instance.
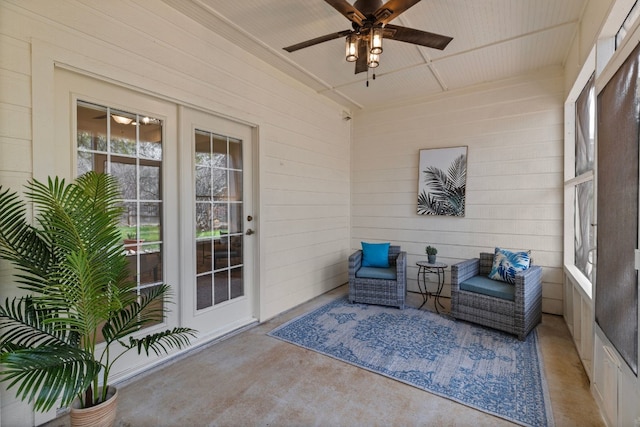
(492, 40)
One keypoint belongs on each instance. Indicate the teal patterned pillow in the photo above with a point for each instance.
(507, 264)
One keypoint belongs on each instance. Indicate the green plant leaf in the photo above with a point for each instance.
(163, 342)
(47, 372)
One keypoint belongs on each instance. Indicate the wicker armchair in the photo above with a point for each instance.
(518, 316)
(374, 290)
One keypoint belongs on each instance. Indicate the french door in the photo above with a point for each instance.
(192, 222)
(218, 292)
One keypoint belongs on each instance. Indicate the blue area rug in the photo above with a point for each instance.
(478, 367)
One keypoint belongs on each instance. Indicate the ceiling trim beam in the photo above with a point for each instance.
(431, 62)
(422, 51)
(224, 27)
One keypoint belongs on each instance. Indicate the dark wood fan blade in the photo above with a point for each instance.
(391, 9)
(361, 63)
(349, 12)
(317, 40)
(410, 35)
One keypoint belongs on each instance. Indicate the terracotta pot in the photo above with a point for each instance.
(101, 415)
(130, 242)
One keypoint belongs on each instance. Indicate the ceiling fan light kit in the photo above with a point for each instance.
(376, 40)
(352, 47)
(369, 19)
(374, 60)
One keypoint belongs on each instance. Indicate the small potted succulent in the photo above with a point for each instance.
(431, 254)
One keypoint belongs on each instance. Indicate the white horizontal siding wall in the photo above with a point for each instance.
(514, 134)
(303, 143)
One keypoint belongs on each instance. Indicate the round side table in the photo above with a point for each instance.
(424, 268)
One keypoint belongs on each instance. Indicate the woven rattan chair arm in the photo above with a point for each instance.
(532, 276)
(401, 267)
(528, 284)
(464, 270)
(355, 262)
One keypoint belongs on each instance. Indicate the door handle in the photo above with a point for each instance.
(249, 232)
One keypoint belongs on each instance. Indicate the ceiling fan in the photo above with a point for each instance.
(369, 19)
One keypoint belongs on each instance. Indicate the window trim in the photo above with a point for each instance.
(571, 181)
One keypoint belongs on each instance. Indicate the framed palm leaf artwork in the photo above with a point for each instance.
(442, 181)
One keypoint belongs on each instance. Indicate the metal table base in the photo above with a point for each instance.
(425, 268)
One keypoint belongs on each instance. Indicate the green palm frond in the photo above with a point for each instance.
(21, 244)
(163, 342)
(137, 313)
(87, 290)
(25, 324)
(45, 373)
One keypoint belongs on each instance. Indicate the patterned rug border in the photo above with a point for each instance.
(341, 300)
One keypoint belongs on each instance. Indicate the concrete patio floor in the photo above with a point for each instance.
(251, 379)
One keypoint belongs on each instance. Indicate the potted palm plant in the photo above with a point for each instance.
(80, 311)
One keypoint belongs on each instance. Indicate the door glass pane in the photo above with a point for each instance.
(235, 154)
(235, 185)
(124, 169)
(150, 267)
(204, 257)
(219, 221)
(150, 184)
(92, 127)
(129, 225)
(85, 163)
(220, 218)
(221, 253)
(150, 137)
(221, 286)
(203, 149)
(219, 154)
(203, 184)
(236, 223)
(204, 223)
(123, 133)
(158, 304)
(204, 295)
(235, 250)
(237, 281)
(219, 184)
(150, 229)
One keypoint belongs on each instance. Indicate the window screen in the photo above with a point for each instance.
(616, 302)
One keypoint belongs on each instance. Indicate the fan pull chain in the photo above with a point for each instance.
(374, 77)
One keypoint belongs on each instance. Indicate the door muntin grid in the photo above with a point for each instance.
(218, 219)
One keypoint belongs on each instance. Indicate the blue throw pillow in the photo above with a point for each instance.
(507, 264)
(375, 254)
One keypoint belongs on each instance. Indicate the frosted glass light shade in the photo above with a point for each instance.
(352, 48)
